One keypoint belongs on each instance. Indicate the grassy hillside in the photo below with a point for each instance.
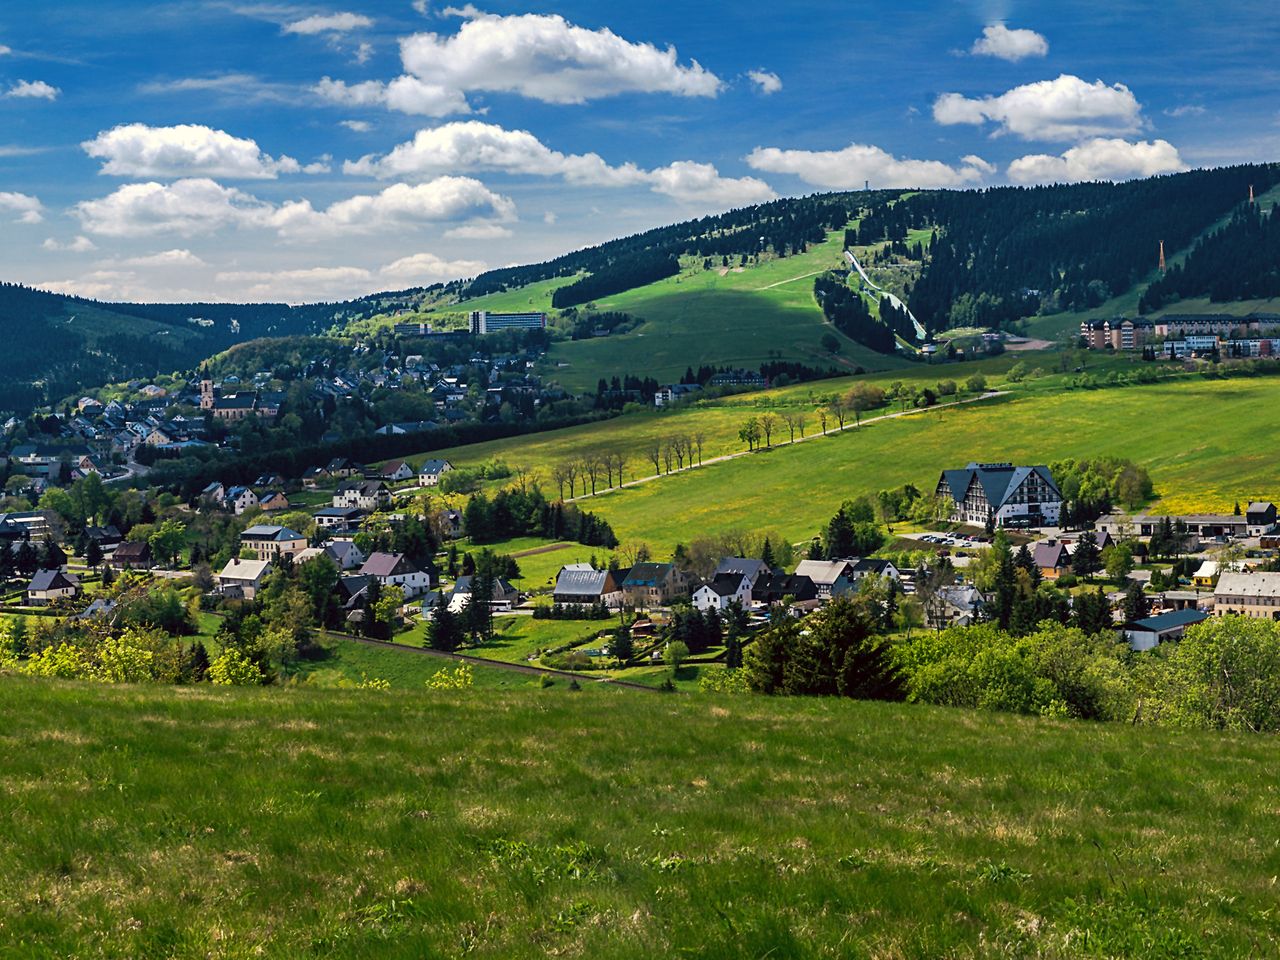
(736, 317)
(1200, 439)
(206, 823)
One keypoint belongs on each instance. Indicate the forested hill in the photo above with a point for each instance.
(57, 344)
(1025, 251)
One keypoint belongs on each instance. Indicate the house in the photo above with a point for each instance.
(1248, 594)
(722, 591)
(752, 569)
(49, 586)
(395, 471)
(269, 480)
(1152, 631)
(394, 569)
(350, 590)
(652, 585)
(872, 567)
(1260, 518)
(580, 583)
(341, 468)
(825, 573)
(345, 554)
(504, 597)
(268, 541)
(131, 556)
(312, 477)
(271, 500)
(1002, 495)
(431, 471)
(779, 587)
(339, 519)
(214, 494)
(957, 604)
(1051, 559)
(1206, 575)
(451, 522)
(240, 499)
(243, 578)
(363, 494)
(107, 538)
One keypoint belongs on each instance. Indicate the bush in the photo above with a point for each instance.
(234, 669)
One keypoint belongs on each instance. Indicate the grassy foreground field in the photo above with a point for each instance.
(196, 822)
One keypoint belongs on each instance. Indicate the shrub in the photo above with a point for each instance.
(233, 669)
(459, 678)
(724, 681)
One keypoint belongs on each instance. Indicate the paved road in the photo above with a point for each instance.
(990, 394)
(510, 667)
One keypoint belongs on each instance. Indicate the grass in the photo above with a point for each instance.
(516, 638)
(223, 823)
(765, 312)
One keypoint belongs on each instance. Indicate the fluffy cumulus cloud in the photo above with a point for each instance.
(21, 207)
(33, 90)
(857, 163)
(542, 57)
(186, 150)
(479, 231)
(1099, 159)
(1067, 108)
(468, 146)
(997, 40)
(329, 23)
(75, 245)
(200, 206)
(765, 81)
(165, 258)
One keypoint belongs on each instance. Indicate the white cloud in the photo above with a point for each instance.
(25, 208)
(423, 7)
(187, 207)
(425, 268)
(404, 94)
(201, 206)
(5, 51)
(849, 168)
(1186, 110)
(478, 231)
(467, 146)
(701, 184)
(1067, 108)
(1099, 159)
(186, 150)
(766, 81)
(542, 57)
(329, 23)
(364, 52)
(78, 245)
(357, 126)
(166, 258)
(997, 40)
(33, 90)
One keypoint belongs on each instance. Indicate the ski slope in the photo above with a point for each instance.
(921, 334)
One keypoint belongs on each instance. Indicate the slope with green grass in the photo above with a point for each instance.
(735, 317)
(1203, 441)
(197, 822)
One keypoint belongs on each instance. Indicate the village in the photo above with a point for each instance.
(389, 551)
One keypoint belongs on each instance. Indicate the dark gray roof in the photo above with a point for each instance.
(267, 531)
(645, 574)
(387, 564)
(1168, 621)
(745, 565)
(581, 582)
(725, 584)
(52, 580)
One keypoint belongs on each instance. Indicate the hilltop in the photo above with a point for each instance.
(198, 821)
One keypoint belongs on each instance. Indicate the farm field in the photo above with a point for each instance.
(1198, 438)
(616, 824)
(765, 312)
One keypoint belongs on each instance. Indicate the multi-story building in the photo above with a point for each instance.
(268, 541)
(1001, 494)
(483, 322)
(1254, 595)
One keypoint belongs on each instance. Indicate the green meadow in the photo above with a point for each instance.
(200, 822)
(1200, 439)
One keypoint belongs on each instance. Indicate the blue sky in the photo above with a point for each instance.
(297, 151)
